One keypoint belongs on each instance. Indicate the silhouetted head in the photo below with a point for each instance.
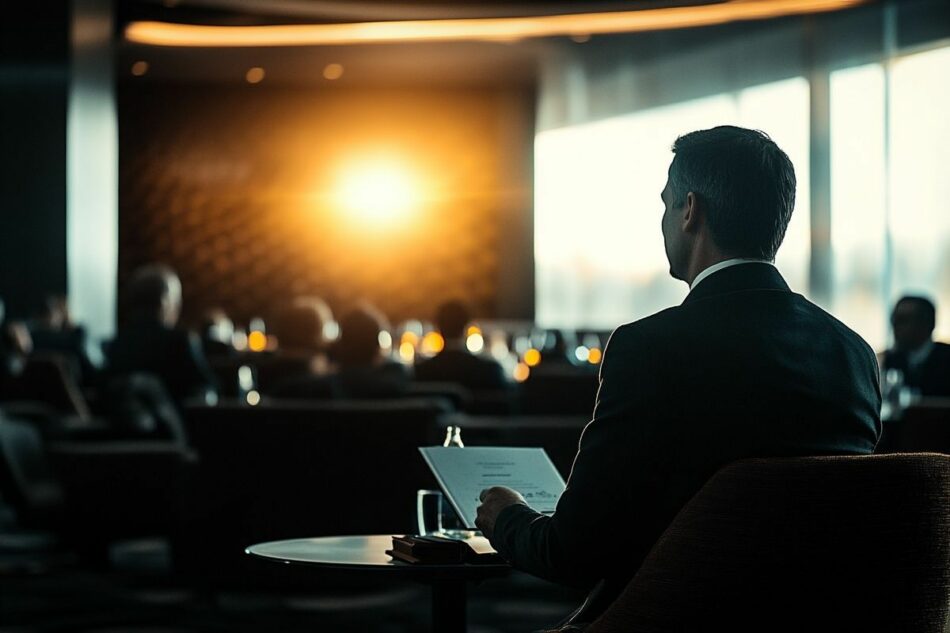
(359, 336)
(305, 324)
(730, 186)
(154, 292)
(451, 319)
(913, 320)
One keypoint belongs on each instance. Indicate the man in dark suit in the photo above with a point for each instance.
(924, 363)
(148, 341)
(743, 368)
(455, 363)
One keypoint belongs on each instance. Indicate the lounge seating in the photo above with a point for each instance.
(806, 544)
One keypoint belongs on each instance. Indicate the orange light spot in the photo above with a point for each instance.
(521, 372)
(333, 72)
(254, 75)
(532, 357)
(594, 356)
(433, 343)
(257, 341)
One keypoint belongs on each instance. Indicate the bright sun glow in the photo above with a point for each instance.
(379, 191)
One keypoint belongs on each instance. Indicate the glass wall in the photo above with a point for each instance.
(919, 174)
(890, 156)
(599, 251)
(598, 247)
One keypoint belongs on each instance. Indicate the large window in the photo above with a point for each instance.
(858, 218)
(599, 251)
(919, 173)
(598, 247)
(890, 243)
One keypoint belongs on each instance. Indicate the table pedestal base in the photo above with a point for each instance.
(449, 606)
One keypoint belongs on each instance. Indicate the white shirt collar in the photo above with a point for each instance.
(715, 268)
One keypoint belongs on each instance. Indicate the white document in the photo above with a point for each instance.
(463, 473)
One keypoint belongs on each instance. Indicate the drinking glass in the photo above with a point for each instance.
(429, 512)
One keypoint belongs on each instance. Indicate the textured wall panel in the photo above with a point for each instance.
(235, 188)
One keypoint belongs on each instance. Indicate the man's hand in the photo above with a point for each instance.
(494, 500)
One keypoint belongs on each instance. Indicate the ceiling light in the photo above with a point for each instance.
(333, 71)
(254, 75)
(492, 29)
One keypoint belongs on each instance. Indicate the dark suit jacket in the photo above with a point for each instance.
(743, 368)
(932, 378)
(174, 356)
(468, 370)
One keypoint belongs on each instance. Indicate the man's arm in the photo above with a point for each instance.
(609, 481)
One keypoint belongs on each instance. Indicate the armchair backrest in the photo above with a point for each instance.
(805, 544)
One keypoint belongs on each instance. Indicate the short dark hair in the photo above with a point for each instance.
(451, 319)
(359, 335)
(926, 308)
(148, 287)
(744, 181)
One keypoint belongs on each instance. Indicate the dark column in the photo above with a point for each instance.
(34, 58)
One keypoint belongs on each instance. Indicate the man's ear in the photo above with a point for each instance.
(692, 216)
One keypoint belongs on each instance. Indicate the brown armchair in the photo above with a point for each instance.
(801, 544)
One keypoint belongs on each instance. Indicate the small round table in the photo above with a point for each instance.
(368, 553)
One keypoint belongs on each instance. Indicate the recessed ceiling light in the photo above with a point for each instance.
(254, 75)
(139, 68)
(333, 71)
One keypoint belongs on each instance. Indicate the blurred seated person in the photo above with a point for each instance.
(924, 363)
(304, 330)
(455, 363)
(54, 332)
(15, 345)
(149, 342)
(364, 371)
(217, 332)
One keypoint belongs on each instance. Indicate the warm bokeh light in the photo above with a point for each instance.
(257, 341)
(378, 191)
(409, 337)
(497, 29)
(594, 355)
(139, 68)
(473, 329)
(532, 357)
(333, 72)
(433, 343)
(254, 75)
(475, 343)
(253, 397)
(498, 345)
(407, 351)
(521, 372)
